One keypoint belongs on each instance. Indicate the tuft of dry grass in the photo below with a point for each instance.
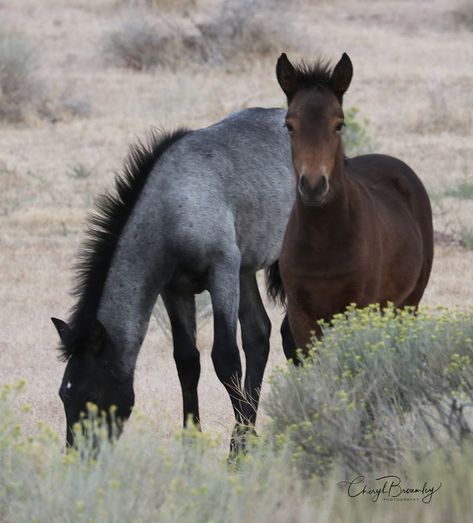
(440, 112)
(466, 236)
(20, 90)
(164, 5)
(463, 14)
(243, 28)
(23, 96)
(139, 44)
(147, 37)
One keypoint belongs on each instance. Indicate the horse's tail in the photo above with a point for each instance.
(274, 285)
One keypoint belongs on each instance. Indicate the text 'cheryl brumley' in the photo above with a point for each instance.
(390, 488)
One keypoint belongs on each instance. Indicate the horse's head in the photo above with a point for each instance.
(315, 122)
(93, 376)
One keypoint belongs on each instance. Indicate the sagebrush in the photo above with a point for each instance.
(147, 37)
(380, 386)
(356, 136)
(145, 478)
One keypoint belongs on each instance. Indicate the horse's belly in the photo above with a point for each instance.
(260, 240)
(188, 283)
(258, 255)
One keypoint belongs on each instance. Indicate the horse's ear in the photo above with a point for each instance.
(63, 329)
(287, 76)
(97, 337)
(341, 76)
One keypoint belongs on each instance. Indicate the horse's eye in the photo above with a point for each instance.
(339, 127)
(289, 127)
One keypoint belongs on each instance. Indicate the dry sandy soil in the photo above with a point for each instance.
(413, 81)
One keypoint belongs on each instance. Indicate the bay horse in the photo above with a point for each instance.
(193, 211)
(360, 230)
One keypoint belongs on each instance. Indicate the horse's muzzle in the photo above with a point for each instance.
(314, 195)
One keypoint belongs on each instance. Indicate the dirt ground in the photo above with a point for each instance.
(413, 81)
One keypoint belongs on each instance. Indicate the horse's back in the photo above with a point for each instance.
(226, 185)
(391, 179)
(380, 170)
(399, 194)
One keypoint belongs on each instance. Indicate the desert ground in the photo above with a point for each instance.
(413, 82)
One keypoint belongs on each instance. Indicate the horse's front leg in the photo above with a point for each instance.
(255, 333)
(288, 344)
(303, 326)
(181, 311)
(224, 288)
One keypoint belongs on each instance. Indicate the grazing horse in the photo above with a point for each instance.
(194, 210)
(360, 230)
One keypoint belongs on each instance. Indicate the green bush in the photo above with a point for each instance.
(463, 190)
(378, 388)
(466, 236)
(356, 137)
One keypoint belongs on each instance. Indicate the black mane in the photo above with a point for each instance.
(317, 74)
(105, 225)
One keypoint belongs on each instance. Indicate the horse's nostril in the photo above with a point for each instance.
(321, 186)
(317, 189)
(305, 186)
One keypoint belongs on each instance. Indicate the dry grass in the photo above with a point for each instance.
(137, 44)
(442, 110)
(397, 48)
(24, 96)
(463, 14)
(165, 5)
(152, 33)
(20, 90)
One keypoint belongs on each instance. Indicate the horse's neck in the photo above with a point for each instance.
(128, 298)
(325, 227)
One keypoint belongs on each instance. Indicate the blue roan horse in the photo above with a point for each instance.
(193, 210)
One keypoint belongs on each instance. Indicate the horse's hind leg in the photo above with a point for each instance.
(413, 299)
(255, 332)
(224, 288)
(415, 296)
(181, 311)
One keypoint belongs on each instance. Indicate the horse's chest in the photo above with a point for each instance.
(323, 282)
(307, 261)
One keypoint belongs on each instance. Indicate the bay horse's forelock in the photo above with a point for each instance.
(369, 239)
